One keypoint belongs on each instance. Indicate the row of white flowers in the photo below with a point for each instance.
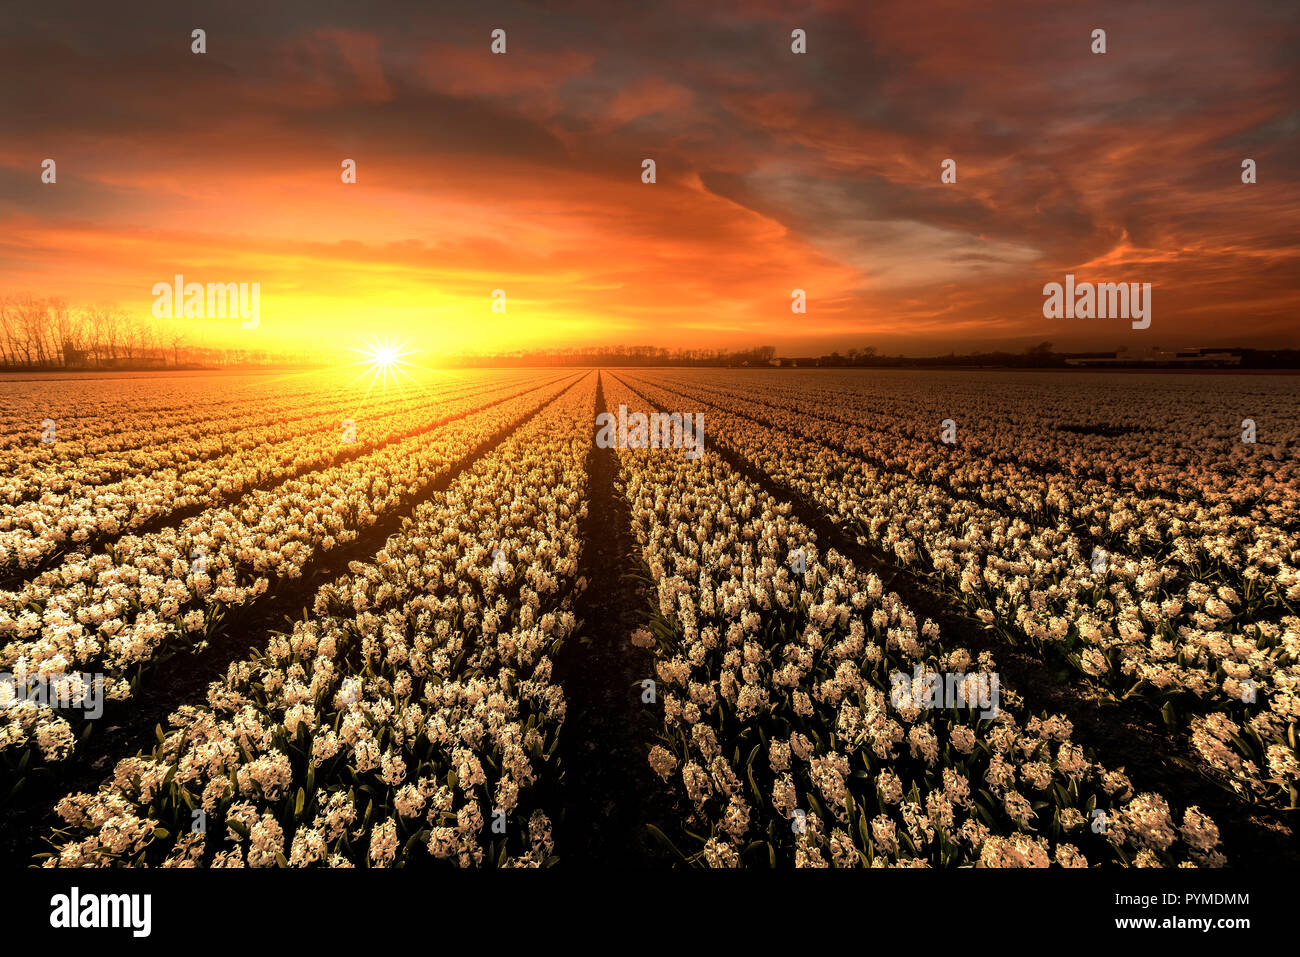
(113, 428)
(1250, 564)
(104, 429)
(412, 719)
(107, 405)
(220, 466)
(1223, 532)
(1168, 438)
(1205, 654)
(117, 613)
(779, 726)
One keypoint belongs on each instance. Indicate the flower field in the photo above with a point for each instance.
(873, 619)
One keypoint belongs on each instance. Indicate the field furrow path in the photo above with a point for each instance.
(609, 790)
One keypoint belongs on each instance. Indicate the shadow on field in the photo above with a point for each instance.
(609, 791)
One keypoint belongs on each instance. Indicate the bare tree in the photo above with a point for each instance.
(61, 329)
(33, 316)
(150, 346)
(8, 331)
(83, 333)
(105, 319)
(129, 333)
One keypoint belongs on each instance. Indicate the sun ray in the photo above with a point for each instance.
(386, 361)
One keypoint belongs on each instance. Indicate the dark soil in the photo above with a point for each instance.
(609, 791)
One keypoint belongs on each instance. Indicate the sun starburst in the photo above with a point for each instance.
(383, 361)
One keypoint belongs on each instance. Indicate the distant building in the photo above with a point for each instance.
(1155, 356)
(75, 357)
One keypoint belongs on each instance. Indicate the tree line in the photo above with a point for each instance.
(619, 355)
(49, 332)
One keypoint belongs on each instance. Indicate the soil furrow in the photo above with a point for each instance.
(609, 791)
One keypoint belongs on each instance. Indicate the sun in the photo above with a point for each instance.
(385, 357)
(383, 360)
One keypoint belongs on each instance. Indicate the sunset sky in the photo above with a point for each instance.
(775, 170)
